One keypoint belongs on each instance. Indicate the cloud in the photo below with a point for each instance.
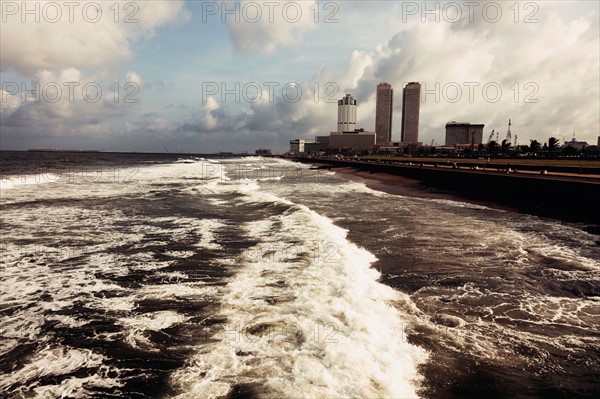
(8, 104)
(265, 26)
(161, 127)
(135, 78)
(64, 103)
(270, 122)
(92, 40)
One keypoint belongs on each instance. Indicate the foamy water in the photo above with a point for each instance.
(263, 278)
(298, 325)
(291, 325)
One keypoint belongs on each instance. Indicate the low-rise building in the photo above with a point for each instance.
(463, 133)
(580, 145)
(357, 140)
(312, 147)
(325, 141)
(299, 147)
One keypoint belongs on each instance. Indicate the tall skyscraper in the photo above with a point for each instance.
(346, 114)
(383, 113)
(411, 104)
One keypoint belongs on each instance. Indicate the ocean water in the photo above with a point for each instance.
(166, 276)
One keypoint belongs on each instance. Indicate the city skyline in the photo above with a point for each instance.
(218, 92)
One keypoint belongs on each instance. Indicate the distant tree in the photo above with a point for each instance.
(553, 144)
(592, 150)
(525, 149)
(493, 147)
(505, 147)
(535, 146)
(570, 150)
(432, 150)
(481, 148)
(518, 150)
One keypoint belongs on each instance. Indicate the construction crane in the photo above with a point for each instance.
(509, 134)
(491, 136)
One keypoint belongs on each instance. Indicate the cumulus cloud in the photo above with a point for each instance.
(160, 125)
(271, 121)
(54, 35)
(62, 57)
(8, 104)
(64, 103)
(265, 26)
(135, 78)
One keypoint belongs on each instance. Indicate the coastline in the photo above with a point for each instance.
(397, 185)
(410, 187)
(406, 187)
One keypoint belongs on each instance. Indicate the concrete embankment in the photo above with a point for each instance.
(570, 198)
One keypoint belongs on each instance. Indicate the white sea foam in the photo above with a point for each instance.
(10, 182)
(52, 361)
(273, 178)
(51, 270)
(459, 204)
(310, 321)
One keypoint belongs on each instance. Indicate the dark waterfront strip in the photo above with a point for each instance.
(567, 198)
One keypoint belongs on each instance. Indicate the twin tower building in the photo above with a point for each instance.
(348, 137)
(411, 100)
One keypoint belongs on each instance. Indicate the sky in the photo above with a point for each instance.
(210, 76)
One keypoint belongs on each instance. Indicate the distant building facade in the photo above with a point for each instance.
(411, 106)
(383, 114)
(311, 147)
(263, 151)
(324, 141)
(580, 145)
(346, 114)
(463, 133)
(299, 147)
(347, 138)
(358, 140)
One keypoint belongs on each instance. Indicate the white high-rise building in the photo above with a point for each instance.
(346, 114)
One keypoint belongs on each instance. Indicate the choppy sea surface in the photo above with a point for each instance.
(147, 276)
